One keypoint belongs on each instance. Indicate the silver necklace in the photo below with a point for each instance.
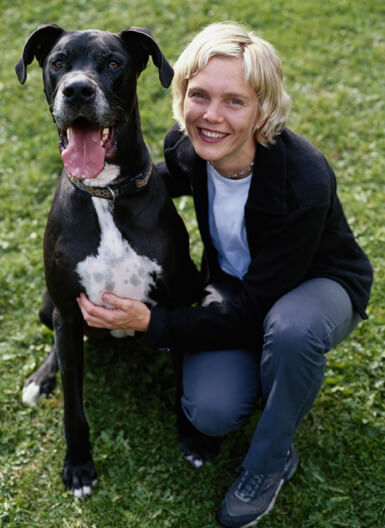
(238, 175)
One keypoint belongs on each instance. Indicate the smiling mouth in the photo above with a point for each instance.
(84, 148)
(211, 134)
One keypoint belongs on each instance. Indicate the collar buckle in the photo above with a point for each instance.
(112, 198)
(112, 193)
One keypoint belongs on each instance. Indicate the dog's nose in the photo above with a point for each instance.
(79, 92)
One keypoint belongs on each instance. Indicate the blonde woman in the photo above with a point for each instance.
(285, 278)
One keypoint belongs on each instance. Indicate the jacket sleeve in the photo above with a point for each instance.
(284, 255)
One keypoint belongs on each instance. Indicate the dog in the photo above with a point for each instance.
(112, 225)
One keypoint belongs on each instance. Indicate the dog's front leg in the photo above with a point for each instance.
(79, 473)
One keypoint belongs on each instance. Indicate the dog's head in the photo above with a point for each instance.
(90, 85)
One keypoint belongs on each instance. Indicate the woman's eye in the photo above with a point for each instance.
(235, 101)
(58, 64)
(196, 95)
(199, 96)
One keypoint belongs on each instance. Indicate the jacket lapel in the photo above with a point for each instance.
(268, 185)
(200, 194)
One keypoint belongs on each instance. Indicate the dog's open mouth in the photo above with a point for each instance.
(84, 148)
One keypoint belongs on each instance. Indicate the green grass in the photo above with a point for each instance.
(333, 57)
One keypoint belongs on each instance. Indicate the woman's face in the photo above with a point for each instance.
(221, 113)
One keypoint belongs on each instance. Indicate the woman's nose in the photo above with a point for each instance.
(213, 112)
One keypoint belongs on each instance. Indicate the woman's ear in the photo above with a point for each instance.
(260, 124)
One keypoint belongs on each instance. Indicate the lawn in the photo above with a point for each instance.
(333, 59)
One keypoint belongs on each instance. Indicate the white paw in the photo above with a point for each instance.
(82, 493)
(78, 493)
(30, 394)
(85, 491)
(195, 461)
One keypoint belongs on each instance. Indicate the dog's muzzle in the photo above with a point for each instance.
(87, 126)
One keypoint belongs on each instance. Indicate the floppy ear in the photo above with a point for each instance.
(38, 45)
(142, 44)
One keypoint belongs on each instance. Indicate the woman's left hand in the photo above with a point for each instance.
(124, 313)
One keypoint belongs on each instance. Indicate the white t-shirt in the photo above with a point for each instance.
(227, 199)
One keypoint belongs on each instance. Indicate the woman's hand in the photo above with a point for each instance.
(124, 313)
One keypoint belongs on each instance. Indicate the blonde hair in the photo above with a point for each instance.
(262, 71)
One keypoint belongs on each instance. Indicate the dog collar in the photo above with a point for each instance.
(113, 192)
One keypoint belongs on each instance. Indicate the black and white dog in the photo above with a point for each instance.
(112, 225)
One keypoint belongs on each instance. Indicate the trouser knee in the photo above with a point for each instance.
(220, 388)
(213, 418)
(293, 339)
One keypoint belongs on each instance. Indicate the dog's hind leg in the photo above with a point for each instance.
(197, 447)
(43, 381)
(46, 310)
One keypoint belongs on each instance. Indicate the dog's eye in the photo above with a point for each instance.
(113, 64)
(58, 64)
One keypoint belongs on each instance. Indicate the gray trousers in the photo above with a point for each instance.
(221, 387)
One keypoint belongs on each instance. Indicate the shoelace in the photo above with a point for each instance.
(249, 485)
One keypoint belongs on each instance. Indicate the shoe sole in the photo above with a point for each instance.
(290, 474)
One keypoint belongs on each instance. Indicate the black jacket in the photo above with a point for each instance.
(296, 230)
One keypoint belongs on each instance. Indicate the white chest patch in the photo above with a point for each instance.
(117, 267)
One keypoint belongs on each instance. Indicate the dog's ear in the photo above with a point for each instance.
(142, 44)
(38, 45)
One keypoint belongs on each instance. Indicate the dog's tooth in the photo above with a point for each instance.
(105, 134)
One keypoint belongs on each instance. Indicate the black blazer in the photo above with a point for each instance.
(296, 230)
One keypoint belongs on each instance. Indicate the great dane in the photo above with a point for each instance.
(112, 225)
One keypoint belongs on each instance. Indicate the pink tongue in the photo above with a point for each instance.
(83, 157)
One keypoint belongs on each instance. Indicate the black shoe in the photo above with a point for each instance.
(252, 496)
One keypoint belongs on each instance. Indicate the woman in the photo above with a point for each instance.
(286, 278)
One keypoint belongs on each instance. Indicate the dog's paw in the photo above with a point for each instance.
(79, 478)
(31, 393)
(195, 459)
(199, 448)
(42, 382)
(36, 387)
